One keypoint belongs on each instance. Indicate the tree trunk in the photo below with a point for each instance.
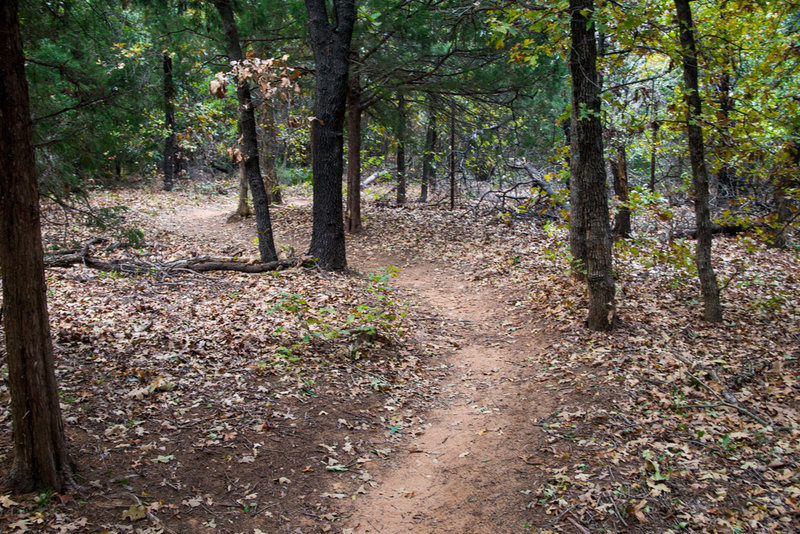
(270, 148)
(726, 176)
(708, 280)
(654, 126)
(40, 454)
(330, 39)
(452, 159)
(247, 129)
(619, 170)
(243, 210)
(592, 234)
(353, 211)
(401, 149)
(171, 142)
(427, 157)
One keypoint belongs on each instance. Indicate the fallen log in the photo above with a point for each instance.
(198, 264)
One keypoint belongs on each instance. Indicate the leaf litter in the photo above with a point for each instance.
(199, 402)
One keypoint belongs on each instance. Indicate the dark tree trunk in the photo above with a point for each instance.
(726, 176)
(401, 149)
(330, 39)
(40, 454)
(566, 128)
(171, 142)
(427, 157)
(654, 126)
(619, 170)
(353, 211)
(243, 210)
(270, 148)
(592, 234)
(247, 129)
(708, 280)
(452, 159)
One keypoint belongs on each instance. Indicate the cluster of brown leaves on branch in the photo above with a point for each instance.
(274, 78)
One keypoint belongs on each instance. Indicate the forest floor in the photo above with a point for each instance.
(459, 394)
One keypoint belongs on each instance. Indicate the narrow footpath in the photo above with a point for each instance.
(472, 468)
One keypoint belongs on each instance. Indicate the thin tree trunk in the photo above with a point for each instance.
(243, 210)
(588, 176)
(247, 129)
(330, 39)
(619, 171)
(726, 176)
(171, 142)
(353, 211)
(40, 453)
(427, 157)
(452, 159)
(708, 280)
(270, 148)
(654, 126)
(401, 149)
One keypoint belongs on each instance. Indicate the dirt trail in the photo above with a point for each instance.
(471, 468)
(469, 471)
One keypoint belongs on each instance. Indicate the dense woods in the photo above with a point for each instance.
(612, 189)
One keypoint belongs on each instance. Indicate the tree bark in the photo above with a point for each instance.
(353, 211)
(654, 126)
(247, 129)
(592, 233)
(243, 209)
(427, 157)
(330, 39)
(619, 170)
(726, 176)
(452, 159)
(708, 280)
(401, 149)
(171, 142)
(270, 148)
(40, 454)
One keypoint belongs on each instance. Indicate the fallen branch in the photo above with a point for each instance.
(198, 264)
(537, 180)
(730, 401)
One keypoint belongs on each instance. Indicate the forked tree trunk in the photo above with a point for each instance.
(171, 142)
(708, 280)
(40, 454)
(619, 171)
(427, 157)
(330, 39)
(353, 211)
(401, 149)
(247, 129)
(588, 174)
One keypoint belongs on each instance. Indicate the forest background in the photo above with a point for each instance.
(552, 128)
